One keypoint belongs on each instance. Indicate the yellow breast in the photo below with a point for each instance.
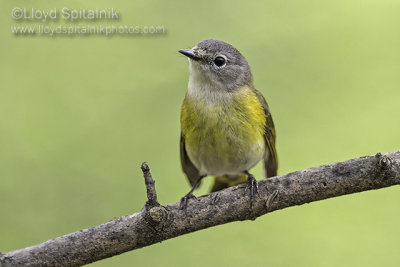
(224, 134)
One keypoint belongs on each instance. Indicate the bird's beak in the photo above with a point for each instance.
(190, 54)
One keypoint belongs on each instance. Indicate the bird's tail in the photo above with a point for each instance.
(221, 182)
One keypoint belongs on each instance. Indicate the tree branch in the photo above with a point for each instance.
(150, 186)
(156, 223)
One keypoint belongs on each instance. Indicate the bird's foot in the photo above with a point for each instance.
(252, 186)
(185, 199)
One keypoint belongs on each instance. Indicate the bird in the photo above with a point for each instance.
(226, 124)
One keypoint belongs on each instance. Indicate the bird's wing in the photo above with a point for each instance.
(270, 157)
(187, 166)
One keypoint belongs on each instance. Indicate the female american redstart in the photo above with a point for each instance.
(226, 125)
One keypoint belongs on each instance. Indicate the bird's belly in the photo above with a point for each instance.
(224, 134)
(227, 148)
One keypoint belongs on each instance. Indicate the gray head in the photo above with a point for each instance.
(219, 65)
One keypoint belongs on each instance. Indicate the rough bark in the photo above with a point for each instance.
(156, 223)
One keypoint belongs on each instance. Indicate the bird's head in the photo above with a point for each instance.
(217, 65)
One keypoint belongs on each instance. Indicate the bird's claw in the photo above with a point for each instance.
(184, 201)
(253, 187)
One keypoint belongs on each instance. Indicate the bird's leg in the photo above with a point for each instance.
(252, 186)
(185, 199)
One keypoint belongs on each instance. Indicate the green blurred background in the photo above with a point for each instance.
(79, 114)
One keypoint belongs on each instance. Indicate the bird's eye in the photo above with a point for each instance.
(219, 61)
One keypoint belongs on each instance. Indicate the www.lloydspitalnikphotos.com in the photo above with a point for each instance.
(64, 13)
